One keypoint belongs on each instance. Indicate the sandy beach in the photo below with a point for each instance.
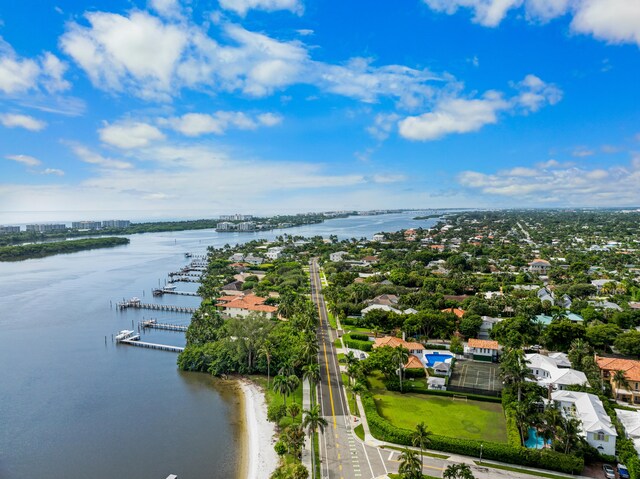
(260, 459)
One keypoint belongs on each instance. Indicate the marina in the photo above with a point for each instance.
(136, 303)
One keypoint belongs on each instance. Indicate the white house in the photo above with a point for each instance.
(378, 237)
(630, 421)
(236, 257)
(539, 266)
(274, 253)
(550, 371)
(383, 307)
(337, 256)
(487, 325)
(482, 349)
(596, 424)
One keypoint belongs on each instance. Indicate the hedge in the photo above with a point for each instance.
(385, 431)
(437, 347)
(359, 337)
(437, 392)
(361, 345)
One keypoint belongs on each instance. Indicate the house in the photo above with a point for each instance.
(457, 311)
(482, 349)
(274, 253)
(370, 259)
(442, 369)
(242, 306)
(337, 256)
(599, 283)
(539, 266)
(378, 237)
(630, 421)
(416, 350)
(236, 257)
(552, 372)
(255, 260)
(605, 305)
(631, 368)
(596, 424)
(545, 320)
(388, 299)
(487, 325)
(382, 307)
(233, 288)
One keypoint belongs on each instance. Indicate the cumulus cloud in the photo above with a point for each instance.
(129, 134)
(241, 7)
(196, 124)
(462, 115)
(93, 158)
(15, 120)
(24, 159)
(20, 75)
(555, 183)
(614, 21)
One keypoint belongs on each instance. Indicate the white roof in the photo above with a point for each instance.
(436, 381)
(589, 410)
(560, 376)
(383, 307)
(630, 421)
(562, 360)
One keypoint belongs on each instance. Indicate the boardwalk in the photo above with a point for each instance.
(142, 344)
(160, 292)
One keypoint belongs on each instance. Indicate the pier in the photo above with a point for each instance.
(185, 279)
(160, 292)
(137, 304)
(127, 336)
(185, 272)
(154, 324)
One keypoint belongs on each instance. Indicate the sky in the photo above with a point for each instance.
(192, 108)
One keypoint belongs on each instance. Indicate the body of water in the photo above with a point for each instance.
(74, 405)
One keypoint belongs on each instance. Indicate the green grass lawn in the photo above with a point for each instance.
(444, 416)
(273, 397)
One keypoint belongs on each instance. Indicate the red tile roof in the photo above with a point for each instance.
(457, 311)
(483, 343)
(414, 363)
(630, 367)
(395, 342)
(250, 302)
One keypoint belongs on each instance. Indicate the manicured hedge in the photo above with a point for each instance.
(361, 345)
(437, 347)
(390, 385)
(385, 431)
(359, 337)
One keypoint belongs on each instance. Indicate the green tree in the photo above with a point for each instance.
(620, 381)
(313, 422)
(401, 356)
(470, 325)
(514, 370)
(265, 351)
(410, 466)
(420, 438)
(629, 343)
(458, 471)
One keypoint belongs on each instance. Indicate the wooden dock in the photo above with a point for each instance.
(141, 344)
(187, 273)
(160, 292)
(153, 324)
(185, 279)
(137, 304)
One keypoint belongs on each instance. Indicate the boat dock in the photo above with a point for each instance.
(186, 273)
(185, 279)
(137, 304)
(129, 337)
(160, 292)
(154, 324)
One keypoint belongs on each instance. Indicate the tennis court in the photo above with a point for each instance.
(476, 377)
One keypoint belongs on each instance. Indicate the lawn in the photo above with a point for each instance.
(466, 419)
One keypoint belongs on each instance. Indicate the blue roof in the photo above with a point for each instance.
(546, 320)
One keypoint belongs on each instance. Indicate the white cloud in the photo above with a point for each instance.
(460, 115)
(15, 120)
(24, 159)
(241, 7)
(130, 134)
(93, 158)
(20, 75)
(167, 8)
(388, 178)
(554, 183)
(455, 115)
(52, 171)
(305, 32)
(382, 126)
(196, 124)
(582, 152)
(614, 21)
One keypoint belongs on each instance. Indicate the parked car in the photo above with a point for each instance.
(623, 472)
(609, 473)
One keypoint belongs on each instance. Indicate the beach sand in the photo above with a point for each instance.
(259, 459)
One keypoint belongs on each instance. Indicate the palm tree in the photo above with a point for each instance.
(265, 350)
(311, 372)
(514, 370)
(350, 358)
(294, 437)
(293, 382)
(458, 471)
(313, 422)
(281, 386)
(293, 410)
(570, 433)
(420, 438)
(522, 412)
(620, 380)
(410, 466)
(401, 356)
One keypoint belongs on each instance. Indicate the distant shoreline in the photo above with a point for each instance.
(42, 250)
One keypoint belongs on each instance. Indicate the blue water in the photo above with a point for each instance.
(433, 358)
(534, 441)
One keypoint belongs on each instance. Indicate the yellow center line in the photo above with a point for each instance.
(326, 359)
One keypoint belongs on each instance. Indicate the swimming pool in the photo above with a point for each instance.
(433, 358)
(534, 441)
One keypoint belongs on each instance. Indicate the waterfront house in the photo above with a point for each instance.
(242, 306)
(596, 426)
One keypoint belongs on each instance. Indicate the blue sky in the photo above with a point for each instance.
(195, 108)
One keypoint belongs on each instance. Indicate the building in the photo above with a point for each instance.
(459, 313)
(9, 229)
(596, 424)
(630, 421)
(247, 226)
(116, 224)
(337, 256)
(552, 371)
(274, 253)
(46, 228)
(382, 307)
(482, 350)
(243, 306)
(631, 368)
(378, 237)
(225, 226)
(416, 350)
(236, 217)
(255, 260)
(387, 299)
(487, 325)
(539, 266)
(86, 225)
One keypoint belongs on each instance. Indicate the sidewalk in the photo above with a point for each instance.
(307, 460)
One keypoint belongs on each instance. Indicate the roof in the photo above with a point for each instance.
(395, 342)
(630, 421)
(630, 367)
(383, 307)
(457, 311)
(414, 363)
(250, 302)
(483, 343)
(540, 262)
(388, 299)
(589, 409)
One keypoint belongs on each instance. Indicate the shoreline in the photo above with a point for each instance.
(257, 459)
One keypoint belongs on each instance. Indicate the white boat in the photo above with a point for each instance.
(124, 334)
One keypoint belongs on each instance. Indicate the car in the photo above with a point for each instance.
(623, 472)
(609, 473)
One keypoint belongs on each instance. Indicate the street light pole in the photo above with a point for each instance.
(481, 445)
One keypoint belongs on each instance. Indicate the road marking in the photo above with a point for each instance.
(390, 456)
(381, 460)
